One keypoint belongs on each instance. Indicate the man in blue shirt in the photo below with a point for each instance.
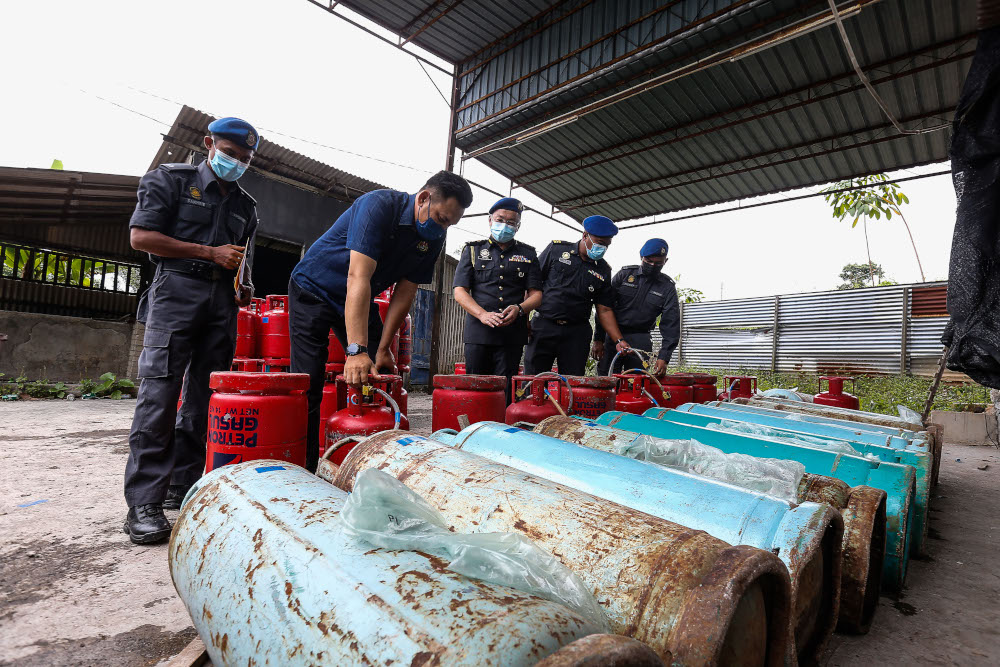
(385, 238)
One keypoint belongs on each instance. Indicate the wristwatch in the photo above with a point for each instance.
(619, 340)
(520, 310)
(354, 350)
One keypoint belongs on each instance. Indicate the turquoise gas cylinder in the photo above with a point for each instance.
(898, 481)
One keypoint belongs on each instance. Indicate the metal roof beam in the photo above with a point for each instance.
(427, 25)
(770, 163)
(809, 100)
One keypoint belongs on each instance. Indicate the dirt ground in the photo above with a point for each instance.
(74, 591)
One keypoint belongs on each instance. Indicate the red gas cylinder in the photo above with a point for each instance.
(738, 386)
(592, 396)
(479, 397)
(405, 345)
(247, 331)
(273, 339)
(680, 386)
(636, 393)
(367, 413)
(383, 308)
(277, 365)
(256, 416)
(335, 351)
(530, 404)
(705, 388)
(248, 365)
(835, 394)
(332, 399)
(460, 368)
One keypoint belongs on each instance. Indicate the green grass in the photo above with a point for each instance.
(878, 393)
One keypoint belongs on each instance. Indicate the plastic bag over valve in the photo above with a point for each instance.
(774, 477)
(385, 513)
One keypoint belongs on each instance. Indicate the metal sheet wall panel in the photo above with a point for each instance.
(728, 334)
(35, 297)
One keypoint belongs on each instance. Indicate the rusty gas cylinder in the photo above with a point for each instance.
(738, 386)
(256, 416)
(273, 340)
(637, 393)
(478, 397)
(680, 386)
(592, 396)
(530, 402)
(691, 597)
(366, 412)
(705, 388)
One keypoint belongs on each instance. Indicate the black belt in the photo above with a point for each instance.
(564, 323)
(197, 269)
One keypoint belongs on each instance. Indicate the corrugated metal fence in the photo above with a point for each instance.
(883, 330)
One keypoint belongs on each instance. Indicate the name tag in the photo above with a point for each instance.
(657, 293)
(632, 285)
(565, 261)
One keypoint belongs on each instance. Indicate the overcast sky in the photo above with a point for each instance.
(94, 84)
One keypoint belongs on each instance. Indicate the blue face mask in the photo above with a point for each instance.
(502, 232)
(596, 250)
(429, 230)
(226, 167)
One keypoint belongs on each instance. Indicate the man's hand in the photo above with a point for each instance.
(357, 369)
(492, 320)
(622, 345)
(384, 359)
(227, 256)
(661, 368)
(509, 315)
(597, 350)
(243, 296)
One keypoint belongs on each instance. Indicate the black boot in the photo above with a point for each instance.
(175, 496)
(145, 524)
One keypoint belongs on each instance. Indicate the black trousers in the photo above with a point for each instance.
(640, 341)
(566, 344)
(310, 320)
(493, 360)
(190, 329)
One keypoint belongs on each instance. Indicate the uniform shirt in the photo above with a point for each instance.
(185, 202)
(497, 278)
(380, 225)
(639, 300)
(572, 284)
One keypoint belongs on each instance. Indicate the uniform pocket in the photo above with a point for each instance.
(194, 222)
(154, 360)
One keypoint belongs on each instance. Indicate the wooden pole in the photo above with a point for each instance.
(934, 387)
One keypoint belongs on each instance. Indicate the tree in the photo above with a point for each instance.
(857, 276)
(872, 197)
(688, 294)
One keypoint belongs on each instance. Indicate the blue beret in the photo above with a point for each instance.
(508, 204)
(654, 248)
(598, 225)
(236, 130)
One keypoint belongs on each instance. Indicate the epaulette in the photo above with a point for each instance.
(562, 242)
(630, 267)
(668, 278)
(179, 166)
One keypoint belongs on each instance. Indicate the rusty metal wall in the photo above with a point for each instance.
(857, 331)
(38, 297)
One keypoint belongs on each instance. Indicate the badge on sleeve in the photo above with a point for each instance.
(422, 246)
(194, 192)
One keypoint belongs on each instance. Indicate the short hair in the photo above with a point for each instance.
(449, 185)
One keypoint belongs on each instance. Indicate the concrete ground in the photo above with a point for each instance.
(74, 591)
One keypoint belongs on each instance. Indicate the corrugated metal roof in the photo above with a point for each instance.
(271, 160)
(788, 116)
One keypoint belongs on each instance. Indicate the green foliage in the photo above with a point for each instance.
(688, 294)
(858, 276)
(877, 197)
(21, 386)
(107, 386)
(878, 393)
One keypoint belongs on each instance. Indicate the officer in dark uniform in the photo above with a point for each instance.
(574, 278)
(195, 222)
(641, 294)
(498, 283)
(385, 238)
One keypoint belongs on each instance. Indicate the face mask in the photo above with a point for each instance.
(226, 167)
(429, 230)
(650, 270)
(596, 250)
(502, 232)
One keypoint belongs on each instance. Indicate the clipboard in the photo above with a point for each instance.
(241, 278)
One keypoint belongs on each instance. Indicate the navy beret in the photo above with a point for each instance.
(598, 225)
(654, 248)
(508, 204)
(236, 130)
